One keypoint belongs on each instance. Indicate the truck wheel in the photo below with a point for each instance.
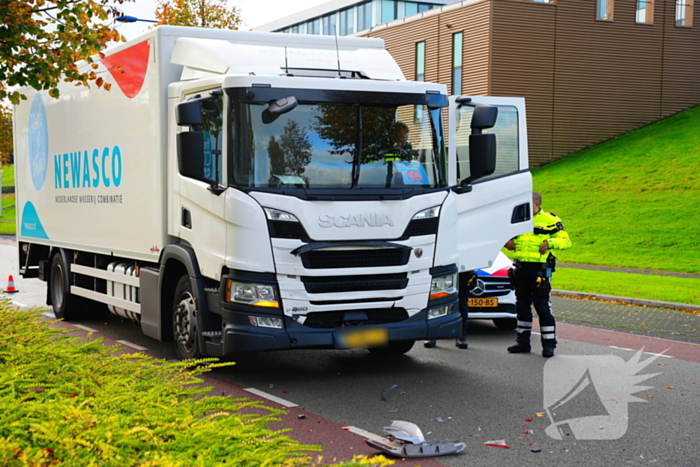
(65, 305)
(393, 348)
(507, 324)
(185, 321)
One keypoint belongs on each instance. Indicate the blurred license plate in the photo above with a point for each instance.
(483, 302)
(372, 337)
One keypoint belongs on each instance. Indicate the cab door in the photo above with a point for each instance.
(496, 207)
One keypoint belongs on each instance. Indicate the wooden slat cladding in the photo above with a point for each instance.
(400, 41)
(523, 62)
(584, 81)
(681, 60)
(607, 75)
(474, 22)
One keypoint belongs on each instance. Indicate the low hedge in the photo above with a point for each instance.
(71, 401)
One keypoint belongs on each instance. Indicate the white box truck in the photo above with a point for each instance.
(239, 192)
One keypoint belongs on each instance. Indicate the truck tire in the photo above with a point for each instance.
(185, 332)
(393, 348)
(65, 305)
(507, 324)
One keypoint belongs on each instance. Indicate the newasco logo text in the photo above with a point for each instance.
(83, 169)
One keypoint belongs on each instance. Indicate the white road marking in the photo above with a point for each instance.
(648, 353)
(19, 304)
(134, 346)
(271, 397)
(85, 328)
(367, 434)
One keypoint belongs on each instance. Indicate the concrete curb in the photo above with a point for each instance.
(628, 300)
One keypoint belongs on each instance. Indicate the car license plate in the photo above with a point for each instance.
(482, 302)
(371, 337)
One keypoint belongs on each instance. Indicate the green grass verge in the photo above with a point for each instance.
(8, 203)
(664, 288)
(632, 201)
(72, 401)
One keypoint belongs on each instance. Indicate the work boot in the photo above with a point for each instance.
(430, 344)
(519, 348)
(461, 343)
(547, 351)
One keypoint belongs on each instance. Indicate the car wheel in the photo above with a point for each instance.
(506, 323)
(393, 348)
(185, 332)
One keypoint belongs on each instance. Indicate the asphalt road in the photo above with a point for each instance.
(474, 396)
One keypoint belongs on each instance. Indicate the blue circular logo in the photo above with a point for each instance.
(38, 142)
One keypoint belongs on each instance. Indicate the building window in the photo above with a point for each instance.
(410, 8)
(604, 9)
(328, 22)
(645, 11)
(347, 22)
(424, 7)
(389, 12)
(684, 12)
(420, 76)
(457, 41)
(364, 16)
(313, 26)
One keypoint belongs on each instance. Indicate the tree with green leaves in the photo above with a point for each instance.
(215, 14)
(5, 135)
(41, 41)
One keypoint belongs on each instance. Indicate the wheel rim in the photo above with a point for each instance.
(57, 285)
(185, 322)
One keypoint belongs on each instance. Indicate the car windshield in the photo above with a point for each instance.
(323, 145)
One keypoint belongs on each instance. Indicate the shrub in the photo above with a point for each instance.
(71, 401)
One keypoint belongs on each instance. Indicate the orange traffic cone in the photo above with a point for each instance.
(11, 285)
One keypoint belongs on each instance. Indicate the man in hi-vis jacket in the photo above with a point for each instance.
(531, 275)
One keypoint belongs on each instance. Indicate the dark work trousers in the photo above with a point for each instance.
(465, 283)
(529, 291)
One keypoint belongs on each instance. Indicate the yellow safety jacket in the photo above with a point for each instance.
(547, 226)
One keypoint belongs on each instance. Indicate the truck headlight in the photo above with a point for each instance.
(277, 215)
(443, 286)
(440, 311)
(428, 213)
(264, 295)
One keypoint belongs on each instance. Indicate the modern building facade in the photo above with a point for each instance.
(346, 17)
(589, 70)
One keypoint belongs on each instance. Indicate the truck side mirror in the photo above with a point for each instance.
(484, 117)
(279, 107)
(189, 114)
(482, 147)
(482, 156)
(190, 154)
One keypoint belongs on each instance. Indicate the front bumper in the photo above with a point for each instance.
(239, 336)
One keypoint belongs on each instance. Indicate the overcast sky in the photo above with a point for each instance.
(253, 12)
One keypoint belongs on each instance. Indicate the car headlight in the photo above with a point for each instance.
(264, 295)
(428, 213)
(277, 215)
(443, 286)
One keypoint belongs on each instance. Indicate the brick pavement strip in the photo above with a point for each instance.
(644, 320)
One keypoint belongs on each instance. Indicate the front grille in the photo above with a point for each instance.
(355, 283)
(333, 319)
(333, 259)
(493, 286)
(286, 229)
(419, 227)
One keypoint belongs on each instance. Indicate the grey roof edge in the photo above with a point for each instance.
(627, 300)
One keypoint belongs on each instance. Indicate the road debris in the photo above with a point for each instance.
(501, 443)
(386, 392)
(405, 439)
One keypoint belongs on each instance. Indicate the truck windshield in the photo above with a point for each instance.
(324, 145)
